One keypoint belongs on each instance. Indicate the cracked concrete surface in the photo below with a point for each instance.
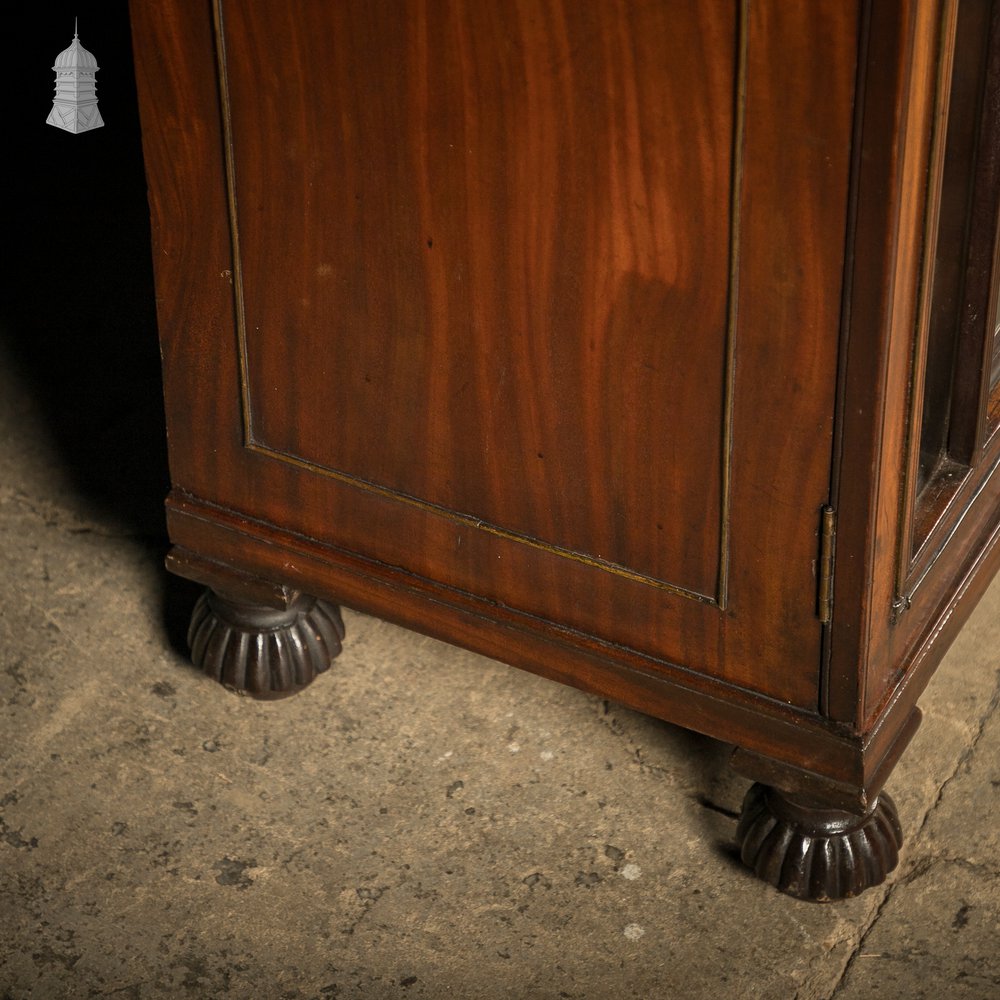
(420, 823)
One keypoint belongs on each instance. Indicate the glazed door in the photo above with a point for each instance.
(537, 302)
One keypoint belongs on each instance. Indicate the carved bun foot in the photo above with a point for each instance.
(262, 651)
(814, 853)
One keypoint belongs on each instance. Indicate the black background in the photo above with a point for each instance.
(77, 312)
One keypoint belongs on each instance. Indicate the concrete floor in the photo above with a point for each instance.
(420, 823)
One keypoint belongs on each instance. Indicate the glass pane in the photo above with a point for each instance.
(961, 375)
(949, 416)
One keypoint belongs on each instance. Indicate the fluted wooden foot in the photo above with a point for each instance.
(261, 651)
(814, 853)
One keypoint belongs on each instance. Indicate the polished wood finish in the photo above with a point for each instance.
(553, 330)
(814, 852)
(632, 535)
(258, 650)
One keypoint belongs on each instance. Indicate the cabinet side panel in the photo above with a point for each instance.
(485, 259)
(782, 318)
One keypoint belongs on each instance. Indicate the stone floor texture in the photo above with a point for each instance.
(421, 822)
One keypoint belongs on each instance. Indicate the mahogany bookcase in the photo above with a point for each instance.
(648, 346)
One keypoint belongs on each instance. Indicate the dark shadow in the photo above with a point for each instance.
(710, 761)
(77, 313)
(717, 789)
(729, 854)
(179, 598)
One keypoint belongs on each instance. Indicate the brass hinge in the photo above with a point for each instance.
(827, 543)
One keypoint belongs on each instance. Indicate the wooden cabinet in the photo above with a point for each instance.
(648, 346)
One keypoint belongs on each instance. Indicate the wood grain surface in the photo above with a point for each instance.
(537, 303)
(504, 234)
